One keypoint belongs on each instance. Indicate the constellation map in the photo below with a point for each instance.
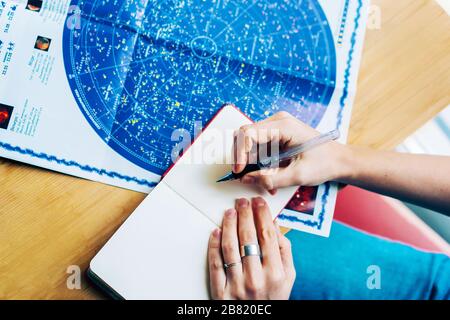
(140, 69)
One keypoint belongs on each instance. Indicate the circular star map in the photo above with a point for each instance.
(140, 68)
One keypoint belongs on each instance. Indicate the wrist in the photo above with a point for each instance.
(346, 164)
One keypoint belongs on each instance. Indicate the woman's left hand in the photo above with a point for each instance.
(253, 277)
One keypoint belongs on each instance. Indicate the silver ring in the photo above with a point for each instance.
(231, 265)
(250, 250)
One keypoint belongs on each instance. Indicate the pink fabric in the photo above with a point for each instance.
(387, 218)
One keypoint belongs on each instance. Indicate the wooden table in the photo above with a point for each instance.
(49, 221)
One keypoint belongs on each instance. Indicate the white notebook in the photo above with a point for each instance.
(160, 252)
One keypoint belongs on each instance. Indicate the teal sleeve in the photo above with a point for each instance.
(354, 265)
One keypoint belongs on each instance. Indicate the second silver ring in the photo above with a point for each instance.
(248, 250)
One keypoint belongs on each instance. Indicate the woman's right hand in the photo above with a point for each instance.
(314, 167)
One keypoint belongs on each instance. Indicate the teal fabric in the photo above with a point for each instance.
(341, 266)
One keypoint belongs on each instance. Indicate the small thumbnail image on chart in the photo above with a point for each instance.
(5, 115)
(42, 43)
(34, 5)
(304, 200)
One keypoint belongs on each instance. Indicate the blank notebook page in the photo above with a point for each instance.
(159, 252)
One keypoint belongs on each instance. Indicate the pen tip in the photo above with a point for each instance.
(225, 178)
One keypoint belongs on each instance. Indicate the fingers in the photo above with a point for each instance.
(250, 223)
(217, 277)
(247, 235)
(242, 144)
(267, 236)
(286, 253)
(272, 179)
(230, 245)
(250, 135)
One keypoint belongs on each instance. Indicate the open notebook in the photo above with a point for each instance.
(160, 252)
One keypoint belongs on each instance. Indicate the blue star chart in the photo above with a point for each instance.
(140, 69)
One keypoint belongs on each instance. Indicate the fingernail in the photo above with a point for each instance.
(242, 203)
(216, 233)
(248, 180)
(230, 213)
(258, 202)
